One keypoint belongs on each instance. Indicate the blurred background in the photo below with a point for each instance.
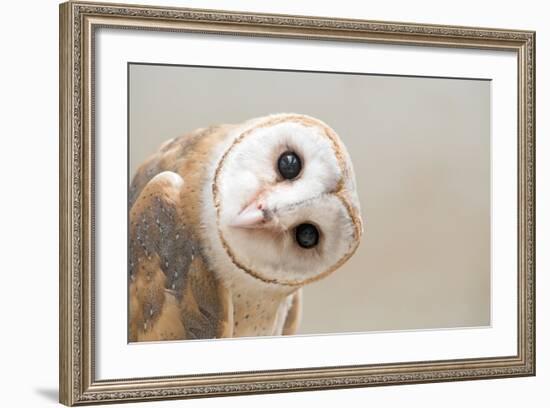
(421, 152)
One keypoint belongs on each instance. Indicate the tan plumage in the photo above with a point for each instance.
(176, 288)
(172, 294)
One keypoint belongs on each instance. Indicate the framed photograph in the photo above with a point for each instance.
(256, 203)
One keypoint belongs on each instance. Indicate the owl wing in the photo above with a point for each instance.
(294, 314)
(172, 294)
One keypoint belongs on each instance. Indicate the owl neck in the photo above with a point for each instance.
(259, 308)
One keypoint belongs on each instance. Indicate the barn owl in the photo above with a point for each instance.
(229, 222)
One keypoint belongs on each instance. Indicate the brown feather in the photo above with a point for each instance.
(172, 294)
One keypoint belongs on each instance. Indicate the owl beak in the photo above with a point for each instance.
(253, 216)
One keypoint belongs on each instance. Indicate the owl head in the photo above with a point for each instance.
(285, 199)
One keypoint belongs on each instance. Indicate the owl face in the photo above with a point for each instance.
(286, 202)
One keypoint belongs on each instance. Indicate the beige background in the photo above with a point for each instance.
(421, 152)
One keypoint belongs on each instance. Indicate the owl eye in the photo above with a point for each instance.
(307, 235)
(289, 165)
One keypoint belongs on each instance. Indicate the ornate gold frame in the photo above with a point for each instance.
(78, 22)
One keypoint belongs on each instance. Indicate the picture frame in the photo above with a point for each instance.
(78, 344)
